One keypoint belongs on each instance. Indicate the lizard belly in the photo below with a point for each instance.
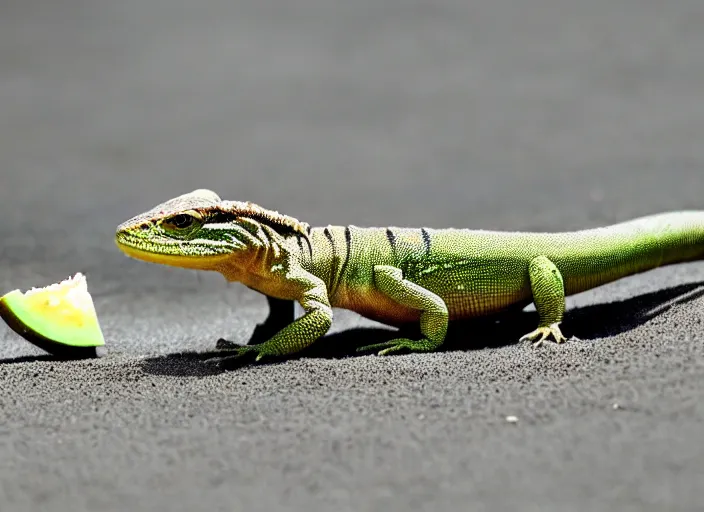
(378, 306)
(375, 305)
(484, 290)
(464, 306)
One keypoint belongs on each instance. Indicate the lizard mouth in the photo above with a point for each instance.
(172, 253)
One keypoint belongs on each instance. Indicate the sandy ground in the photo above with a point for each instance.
(531, 114)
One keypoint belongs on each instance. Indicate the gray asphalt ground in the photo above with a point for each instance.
(530, 114)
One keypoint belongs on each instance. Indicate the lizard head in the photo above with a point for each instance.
(199, 230)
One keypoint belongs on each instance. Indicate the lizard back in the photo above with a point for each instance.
(478, 272)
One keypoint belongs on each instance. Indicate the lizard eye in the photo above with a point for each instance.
(181, 221)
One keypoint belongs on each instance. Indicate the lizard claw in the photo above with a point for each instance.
(388, 347)
(260, 350)
(375, 346)
(539, 335)
(235, 355)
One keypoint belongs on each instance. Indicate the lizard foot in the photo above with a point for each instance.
(424, 345)
(539, 335)
(235, 353)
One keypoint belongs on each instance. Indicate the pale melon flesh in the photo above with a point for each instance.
(59, 318)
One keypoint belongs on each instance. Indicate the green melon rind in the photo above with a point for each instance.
(45, 334)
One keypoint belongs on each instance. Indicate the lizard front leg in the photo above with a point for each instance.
(302, 332)
(433, 318)
(548, 290)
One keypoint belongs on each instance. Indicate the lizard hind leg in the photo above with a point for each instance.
(433, 319)
(548, 290)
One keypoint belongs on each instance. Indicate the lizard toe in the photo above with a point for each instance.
(376, 346)
(541, 334)
(236, 357)
(537, 336)
(399, 344)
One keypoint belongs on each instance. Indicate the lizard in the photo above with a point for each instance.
(395, 275)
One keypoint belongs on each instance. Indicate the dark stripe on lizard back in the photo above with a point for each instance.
(334, 261)
(300, 244)
(426, 241)
(301, 239)
(348, 248)
(328, 235)
(391, 237)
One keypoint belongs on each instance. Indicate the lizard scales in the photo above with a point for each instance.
(401, 275)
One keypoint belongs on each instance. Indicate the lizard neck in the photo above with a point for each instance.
(268, 268)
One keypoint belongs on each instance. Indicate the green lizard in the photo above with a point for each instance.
(399, 275)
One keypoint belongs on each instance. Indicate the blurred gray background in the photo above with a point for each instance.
(530, 114)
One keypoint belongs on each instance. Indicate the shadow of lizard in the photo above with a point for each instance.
(588, 323)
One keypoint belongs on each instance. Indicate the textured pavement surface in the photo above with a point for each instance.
(531, 114)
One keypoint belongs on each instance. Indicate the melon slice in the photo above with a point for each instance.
(59, 318)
